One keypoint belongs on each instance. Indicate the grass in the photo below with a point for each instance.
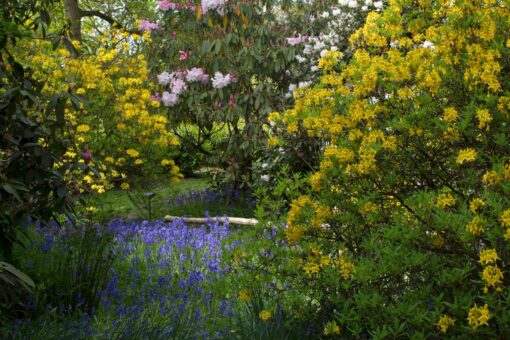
(115, 204)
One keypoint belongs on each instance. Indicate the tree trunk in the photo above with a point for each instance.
(73, 15)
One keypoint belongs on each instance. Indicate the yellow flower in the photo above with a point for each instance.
(265, 315)
(273, 141)
(492, 276)
(138, 161)
(83, 128)
(450, 115)
(478, 316)
(124, 186)
(507, 234)
(488, 256)
(475, 204)
(311, 268)
(466, 155)
(273, 116)
(316, 181)
(244, 295)
(475, 227)
(505, 218)
(331, 328)
(444, 323)
(165, 162)
(109, 159)
(490, 178)
(484, 118)
(133, 153)
(445, 200)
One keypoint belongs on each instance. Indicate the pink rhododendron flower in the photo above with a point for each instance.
(178, 85)
(169, 99)
(195, 74)
(183, 55)
(165, 5)
(205, 78)
(219, 81)
(148, 26)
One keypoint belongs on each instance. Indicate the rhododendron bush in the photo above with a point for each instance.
(406, 228)
(224, 66)
(220, 66)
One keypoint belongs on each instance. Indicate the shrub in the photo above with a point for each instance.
(407, 226)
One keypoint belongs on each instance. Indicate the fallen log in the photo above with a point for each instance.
(231, 220)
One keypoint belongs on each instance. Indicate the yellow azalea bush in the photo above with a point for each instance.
(117, 121)
(406, 228)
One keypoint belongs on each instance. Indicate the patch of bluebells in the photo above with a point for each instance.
(160, 282)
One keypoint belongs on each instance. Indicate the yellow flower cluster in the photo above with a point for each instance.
(444, 323)
(245, 295)
(331, 328)
(466, 155)
(491, 274)
(478, 316)
(265, 315)
(445, 201)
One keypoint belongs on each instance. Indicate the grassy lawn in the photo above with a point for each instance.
(116, 204)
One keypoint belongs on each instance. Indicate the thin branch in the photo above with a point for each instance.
(114, 23)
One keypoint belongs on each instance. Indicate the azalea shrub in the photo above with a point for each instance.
(112, 122)
(405, 231)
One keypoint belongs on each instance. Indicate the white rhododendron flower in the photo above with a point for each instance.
(164, 78)
(219, 80)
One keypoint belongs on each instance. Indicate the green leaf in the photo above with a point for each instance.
(12, 190)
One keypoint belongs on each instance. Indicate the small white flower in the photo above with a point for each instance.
(301, 59)
(429, 45)
(265, 178)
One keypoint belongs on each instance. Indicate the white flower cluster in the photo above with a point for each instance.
(217, 5)
(341, 22)
(219, 80)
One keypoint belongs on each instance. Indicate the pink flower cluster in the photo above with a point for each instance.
(148, 26)
(177, 83)
(165, 5)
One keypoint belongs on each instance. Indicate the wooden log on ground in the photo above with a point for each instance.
(197, 220)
